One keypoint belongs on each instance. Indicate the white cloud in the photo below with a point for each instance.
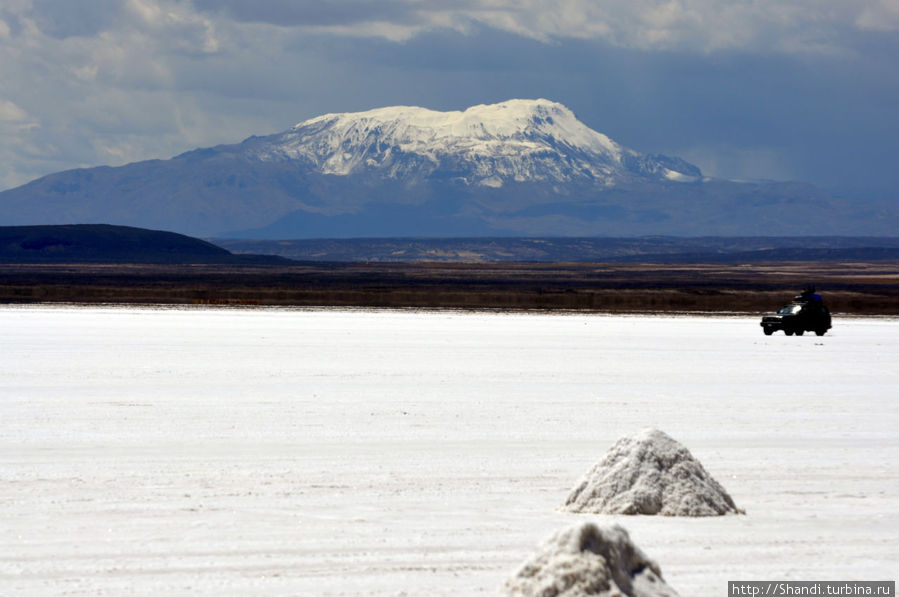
(690, 25)
(87, 72)
(882, 15)
(9, 112)
(97, 91)
(17, 129)
(176, 22)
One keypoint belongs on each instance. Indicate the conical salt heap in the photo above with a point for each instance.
(589, 560)
(649, 473)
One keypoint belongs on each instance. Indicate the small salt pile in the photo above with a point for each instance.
(649, 473)
(589, 560)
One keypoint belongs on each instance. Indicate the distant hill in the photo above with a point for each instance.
(519, 168)
(651, 249)
(101, 243)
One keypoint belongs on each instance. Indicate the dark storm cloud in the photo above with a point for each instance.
(827, 119)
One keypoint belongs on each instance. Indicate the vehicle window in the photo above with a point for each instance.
(789, 309)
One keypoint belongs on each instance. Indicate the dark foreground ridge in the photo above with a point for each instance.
(646, 249)
(102, 243)
(857, 288)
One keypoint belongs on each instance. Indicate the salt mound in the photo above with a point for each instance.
(589, 560)
(649, 473)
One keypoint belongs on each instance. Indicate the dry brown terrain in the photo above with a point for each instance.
(857, 288)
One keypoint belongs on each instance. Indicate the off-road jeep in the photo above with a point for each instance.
(803, 314)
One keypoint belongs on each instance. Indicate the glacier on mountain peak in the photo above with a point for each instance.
(488, 144)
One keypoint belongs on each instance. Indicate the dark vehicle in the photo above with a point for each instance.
(805, 313)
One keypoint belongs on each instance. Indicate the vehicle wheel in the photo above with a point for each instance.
(820, 332)
(768, 331)
(800, 332)
(788, 332)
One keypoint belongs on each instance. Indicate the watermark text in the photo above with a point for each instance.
(789, 588)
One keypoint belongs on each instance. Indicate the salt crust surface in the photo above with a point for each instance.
(225, 452)
(588, 559)
(649, 473)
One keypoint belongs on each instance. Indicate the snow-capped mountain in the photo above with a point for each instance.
(516, 140)
(517, 168)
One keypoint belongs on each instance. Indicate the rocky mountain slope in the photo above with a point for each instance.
(517, 168)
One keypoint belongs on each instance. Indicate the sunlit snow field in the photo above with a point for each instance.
(282, 452)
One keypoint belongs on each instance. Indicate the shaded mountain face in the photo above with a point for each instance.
(517, 168)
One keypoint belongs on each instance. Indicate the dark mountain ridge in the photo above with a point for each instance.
(102, 243)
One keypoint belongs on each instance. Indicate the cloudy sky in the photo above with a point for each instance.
(749, 89)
